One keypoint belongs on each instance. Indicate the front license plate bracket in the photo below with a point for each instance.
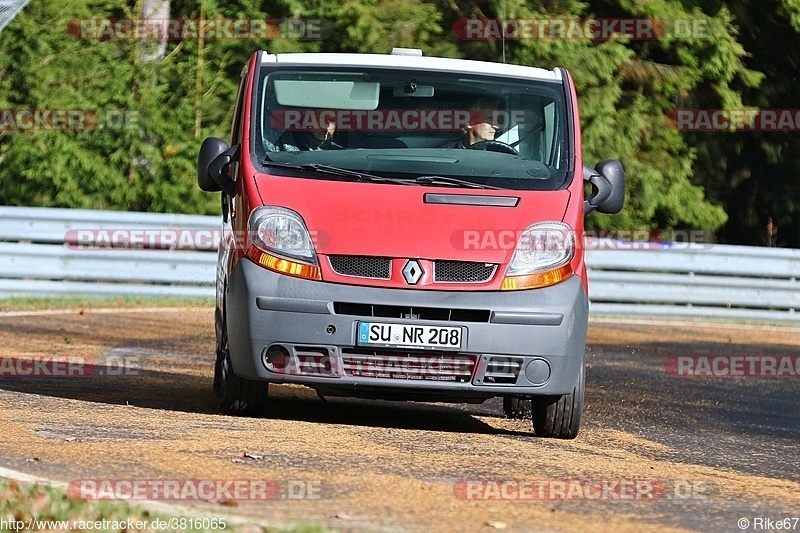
(414, 336)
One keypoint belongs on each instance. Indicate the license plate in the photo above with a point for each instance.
(408, 336)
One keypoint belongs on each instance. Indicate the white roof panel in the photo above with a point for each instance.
(461, 66)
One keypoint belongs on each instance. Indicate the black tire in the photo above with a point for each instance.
(517, 408)
(216, 386)
(219, 326)
(559, 417)
(238, 396)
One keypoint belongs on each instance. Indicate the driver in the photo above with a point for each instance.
(294, 141)
(483, 124)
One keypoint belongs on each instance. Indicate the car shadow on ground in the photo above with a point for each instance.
(193, 394)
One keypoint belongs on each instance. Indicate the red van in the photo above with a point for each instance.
(405, 228)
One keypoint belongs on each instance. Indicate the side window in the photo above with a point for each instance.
(236, 137)
(236, 126)
(550, 129)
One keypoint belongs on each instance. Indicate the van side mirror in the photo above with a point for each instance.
(212, 166)
(608, 187)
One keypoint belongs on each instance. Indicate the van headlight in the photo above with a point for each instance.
(542, 257)
(281, 242)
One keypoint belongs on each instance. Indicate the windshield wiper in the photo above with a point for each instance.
(443, 180)
(336, 171)
(372, 178)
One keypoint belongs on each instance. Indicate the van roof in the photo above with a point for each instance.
(462, 66)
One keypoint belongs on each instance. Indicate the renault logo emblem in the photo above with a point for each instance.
(412, 272)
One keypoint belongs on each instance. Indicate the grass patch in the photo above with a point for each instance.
(31, 303)
(21, 504)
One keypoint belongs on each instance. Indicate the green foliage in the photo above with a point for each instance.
(129, 167)
(625, 89)
(53, 509)
(377, 26)
(756, 175)
(24, 502)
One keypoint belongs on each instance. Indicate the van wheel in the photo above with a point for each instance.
(220, 354)
(515, 407)
(238, 396)
(559, 416)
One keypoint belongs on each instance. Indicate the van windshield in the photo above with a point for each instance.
(493, 131)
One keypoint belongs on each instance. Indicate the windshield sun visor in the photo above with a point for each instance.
(328, 94)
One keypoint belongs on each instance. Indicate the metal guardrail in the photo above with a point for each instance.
(40, 255)
(626, 279)
(712, 281)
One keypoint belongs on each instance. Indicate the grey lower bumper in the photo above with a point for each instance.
(541, 331)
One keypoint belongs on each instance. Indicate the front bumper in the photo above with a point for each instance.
(534, 339)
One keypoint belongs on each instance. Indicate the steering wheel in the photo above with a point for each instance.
(330, 145)
(494, 146)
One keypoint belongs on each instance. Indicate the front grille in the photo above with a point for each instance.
(364, 363)
(361, 266)
(413, 313)
(462, 272)
(502, 370)
(313, 361)
(444, 271)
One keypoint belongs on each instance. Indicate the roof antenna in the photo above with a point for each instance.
(503, 34)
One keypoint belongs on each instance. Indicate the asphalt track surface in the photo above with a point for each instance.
(703, 452)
